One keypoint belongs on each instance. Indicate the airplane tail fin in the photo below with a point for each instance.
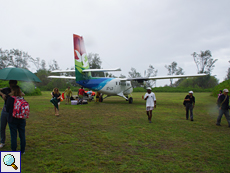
(80, 58)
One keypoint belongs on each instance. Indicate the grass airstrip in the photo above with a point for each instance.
(114, 136)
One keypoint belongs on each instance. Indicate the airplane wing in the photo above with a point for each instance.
(141, 79)
(62, 71)
(62, 77)
(87, 70)
(102, 70)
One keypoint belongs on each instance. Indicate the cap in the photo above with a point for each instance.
(190, 92)
(226, 90)
(148, 88)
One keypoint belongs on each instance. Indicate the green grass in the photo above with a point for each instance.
(115, 136)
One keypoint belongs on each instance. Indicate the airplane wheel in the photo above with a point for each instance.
(101, 99)
(130, 100)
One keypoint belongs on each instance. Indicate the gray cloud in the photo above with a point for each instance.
(124, 33)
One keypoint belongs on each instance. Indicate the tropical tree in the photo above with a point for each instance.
(173, 69)
(95, 63)
(134, 74)
(204, 61)
(54, 66)
(14, 57)
(150, 72)
(122, 76)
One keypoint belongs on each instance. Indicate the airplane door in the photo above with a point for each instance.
(116, 88)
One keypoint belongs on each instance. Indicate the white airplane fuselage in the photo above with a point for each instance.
(108, 86)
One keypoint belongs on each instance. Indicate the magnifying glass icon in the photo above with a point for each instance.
(9, 160)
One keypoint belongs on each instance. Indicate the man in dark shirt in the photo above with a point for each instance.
(189, 103)
(224, 107)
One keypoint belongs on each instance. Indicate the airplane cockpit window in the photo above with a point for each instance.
(123, 83)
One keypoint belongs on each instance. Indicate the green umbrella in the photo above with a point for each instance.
(54, 101)
(20, 74)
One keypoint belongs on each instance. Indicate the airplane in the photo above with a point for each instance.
(105, 85)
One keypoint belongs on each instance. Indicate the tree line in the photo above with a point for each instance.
(203, 60)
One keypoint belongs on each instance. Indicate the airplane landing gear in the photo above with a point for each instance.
(130, 100)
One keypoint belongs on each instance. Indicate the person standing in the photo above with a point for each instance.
(220, 93)
(89, 95)
(189, 104)
(81, 92)
(150, 103)
(97, 97)
(56, 94)
(217, 102)
(16, 124)
(4, 92)
(68, 94)
(224, 107)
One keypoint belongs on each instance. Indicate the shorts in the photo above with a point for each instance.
(67, 97)
(149, 108)
(80, 97)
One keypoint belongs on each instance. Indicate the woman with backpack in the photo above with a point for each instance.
(18, 110)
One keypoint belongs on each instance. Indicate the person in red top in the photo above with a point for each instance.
(81, 92)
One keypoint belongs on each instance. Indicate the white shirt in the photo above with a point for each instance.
(150, 100)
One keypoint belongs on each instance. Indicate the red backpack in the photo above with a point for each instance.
(21, 108)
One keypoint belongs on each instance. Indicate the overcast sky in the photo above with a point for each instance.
(125, 33)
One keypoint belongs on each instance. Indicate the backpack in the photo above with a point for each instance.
(184, 103)
(21, 108)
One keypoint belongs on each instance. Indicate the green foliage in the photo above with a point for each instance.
(27, 87)
(4, 84)
(139, 89)
(221, 86)
(173, 89)
(48, 84)
(200, 82)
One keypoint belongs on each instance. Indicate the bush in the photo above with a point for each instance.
(221, 86)
(4, 84)
(27, 87)
(199, 82)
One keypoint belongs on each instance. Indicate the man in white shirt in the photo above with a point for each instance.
(150, 103)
